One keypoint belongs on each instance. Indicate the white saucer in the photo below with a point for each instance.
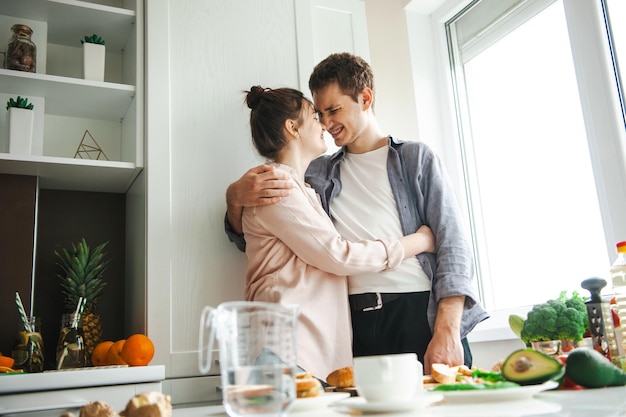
(359, 404)
(312, 403)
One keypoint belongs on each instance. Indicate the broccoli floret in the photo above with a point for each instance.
(540, 323)
(570, 325)
(558, 319)
(578, 303)
(557, 305)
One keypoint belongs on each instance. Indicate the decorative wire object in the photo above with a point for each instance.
(89, 150)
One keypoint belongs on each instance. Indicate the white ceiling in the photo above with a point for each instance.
(424, 6)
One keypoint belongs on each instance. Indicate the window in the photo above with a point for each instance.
(542, 148)
(615, 11)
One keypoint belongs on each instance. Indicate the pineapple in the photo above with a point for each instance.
(82, 277)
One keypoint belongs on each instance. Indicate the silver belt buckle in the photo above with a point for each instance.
(378, 306)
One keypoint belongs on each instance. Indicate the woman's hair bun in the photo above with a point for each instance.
(254, 96)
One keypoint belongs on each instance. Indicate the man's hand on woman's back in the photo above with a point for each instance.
(259, 186)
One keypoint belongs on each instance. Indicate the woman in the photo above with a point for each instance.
(295, 255)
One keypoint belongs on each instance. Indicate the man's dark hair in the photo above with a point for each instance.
(351, 72)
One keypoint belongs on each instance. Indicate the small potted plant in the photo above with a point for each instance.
(93, 57)
(20, 120)
(20, 103)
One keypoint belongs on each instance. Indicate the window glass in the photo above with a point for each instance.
(536, 219)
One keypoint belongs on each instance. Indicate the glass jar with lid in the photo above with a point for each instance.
(21, 53)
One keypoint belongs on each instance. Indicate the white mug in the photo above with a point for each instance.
(388, 378)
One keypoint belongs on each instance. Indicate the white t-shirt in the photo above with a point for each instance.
(366, 209)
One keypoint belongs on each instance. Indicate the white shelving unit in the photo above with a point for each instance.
(117, 100)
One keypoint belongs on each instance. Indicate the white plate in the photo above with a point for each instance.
(306, 404)
(359, 404)
(503, 394)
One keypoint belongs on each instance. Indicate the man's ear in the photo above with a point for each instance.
(367, 95)
(291, 126)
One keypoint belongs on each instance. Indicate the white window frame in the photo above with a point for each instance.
(602, 115)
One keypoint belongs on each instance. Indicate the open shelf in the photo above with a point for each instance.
(71, 96)
(70, 20)
(72, 174)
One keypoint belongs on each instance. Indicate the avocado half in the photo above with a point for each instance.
(531, 367)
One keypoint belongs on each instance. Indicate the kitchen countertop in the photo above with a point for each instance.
(45, 393)
(601, 402)
(80, 378)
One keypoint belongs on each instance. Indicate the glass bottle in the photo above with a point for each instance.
(21, 54)
(616, 350)
(618, 276)
(28, 349)
(71, 351)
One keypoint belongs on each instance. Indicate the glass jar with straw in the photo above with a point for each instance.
(28, 349)
(71, 352)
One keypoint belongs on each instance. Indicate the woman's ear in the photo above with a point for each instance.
(367, 95)
(291, 126)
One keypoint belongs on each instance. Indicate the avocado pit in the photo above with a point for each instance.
(522, 364)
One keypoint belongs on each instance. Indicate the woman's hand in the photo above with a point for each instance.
(419, 242)
(427, 237)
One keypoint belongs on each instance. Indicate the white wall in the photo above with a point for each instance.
(404, 60)
(488, 353)
(390, 60)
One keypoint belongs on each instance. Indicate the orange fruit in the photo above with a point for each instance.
(138, 350)
(99, 354)
(114, 354)
(6, 361)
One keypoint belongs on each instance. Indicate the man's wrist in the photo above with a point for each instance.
(231, 197)
(449, 315)
(234, 212)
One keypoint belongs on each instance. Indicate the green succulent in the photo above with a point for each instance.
(20, 103)
(93, 39)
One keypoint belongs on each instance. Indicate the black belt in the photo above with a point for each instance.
(372, 300)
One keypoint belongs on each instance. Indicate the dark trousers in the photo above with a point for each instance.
(399, 326)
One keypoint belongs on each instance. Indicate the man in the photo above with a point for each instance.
(377, 186)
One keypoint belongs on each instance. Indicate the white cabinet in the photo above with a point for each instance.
(111, 111)
(201, 56)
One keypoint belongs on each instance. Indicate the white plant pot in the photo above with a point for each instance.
(20, 130)
(93, 61)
